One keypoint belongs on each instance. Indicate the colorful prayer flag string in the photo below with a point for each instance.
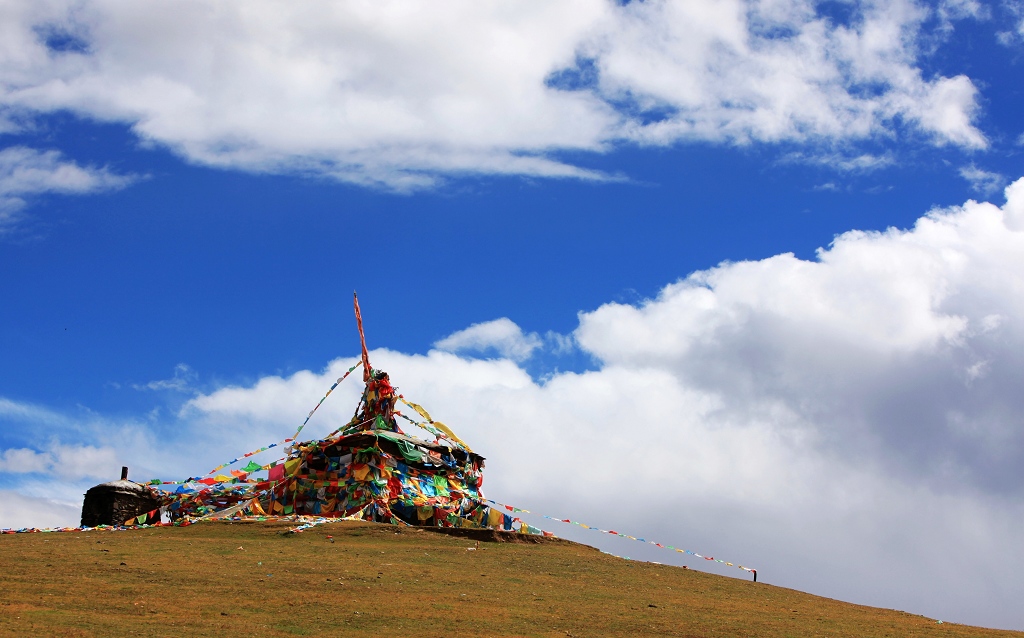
(620, 534)
(438, 433)
(436, 427)
(293, 437)
(247, 455)
(310, 415)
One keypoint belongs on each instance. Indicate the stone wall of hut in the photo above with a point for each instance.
(104, 505)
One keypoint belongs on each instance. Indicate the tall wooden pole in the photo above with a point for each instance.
(362, 339)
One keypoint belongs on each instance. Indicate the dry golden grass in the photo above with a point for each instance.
(246, 579)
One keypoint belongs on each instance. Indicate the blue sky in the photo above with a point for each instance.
(566, 224)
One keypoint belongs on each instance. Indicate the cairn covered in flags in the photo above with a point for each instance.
(368, 469)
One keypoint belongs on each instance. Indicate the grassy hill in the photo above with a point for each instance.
(246, 579)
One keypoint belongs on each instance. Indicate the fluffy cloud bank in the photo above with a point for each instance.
(398, 93)
(850, 425)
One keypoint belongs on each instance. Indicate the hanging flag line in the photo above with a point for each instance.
(445, 431)
(239, 477)
(244, 456)
(247, 455)
(620, 534)
(288, 440)
(246, 469)
(310, 415)
(437, 433)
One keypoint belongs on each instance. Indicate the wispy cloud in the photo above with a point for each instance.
(17, 412)
(26, 172)
(181, 381)
(984, 182)
(500, 336)
(950, 11)
(1014, 36)
(845, 163)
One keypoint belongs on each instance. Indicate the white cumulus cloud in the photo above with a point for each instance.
(398, 93)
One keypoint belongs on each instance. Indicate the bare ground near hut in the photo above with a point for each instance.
(232, 579)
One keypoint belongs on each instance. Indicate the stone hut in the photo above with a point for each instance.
(115, 502)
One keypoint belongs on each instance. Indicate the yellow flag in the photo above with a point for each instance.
(418, 408)
(444, 428)
(437, 424)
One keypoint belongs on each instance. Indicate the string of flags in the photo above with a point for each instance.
(436, 428)
(251, 463)
(510, 508)
(329, 391)
(286, 441)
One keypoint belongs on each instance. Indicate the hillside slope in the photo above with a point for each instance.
(227, 579)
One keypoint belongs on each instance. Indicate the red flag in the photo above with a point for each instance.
(276, 473)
